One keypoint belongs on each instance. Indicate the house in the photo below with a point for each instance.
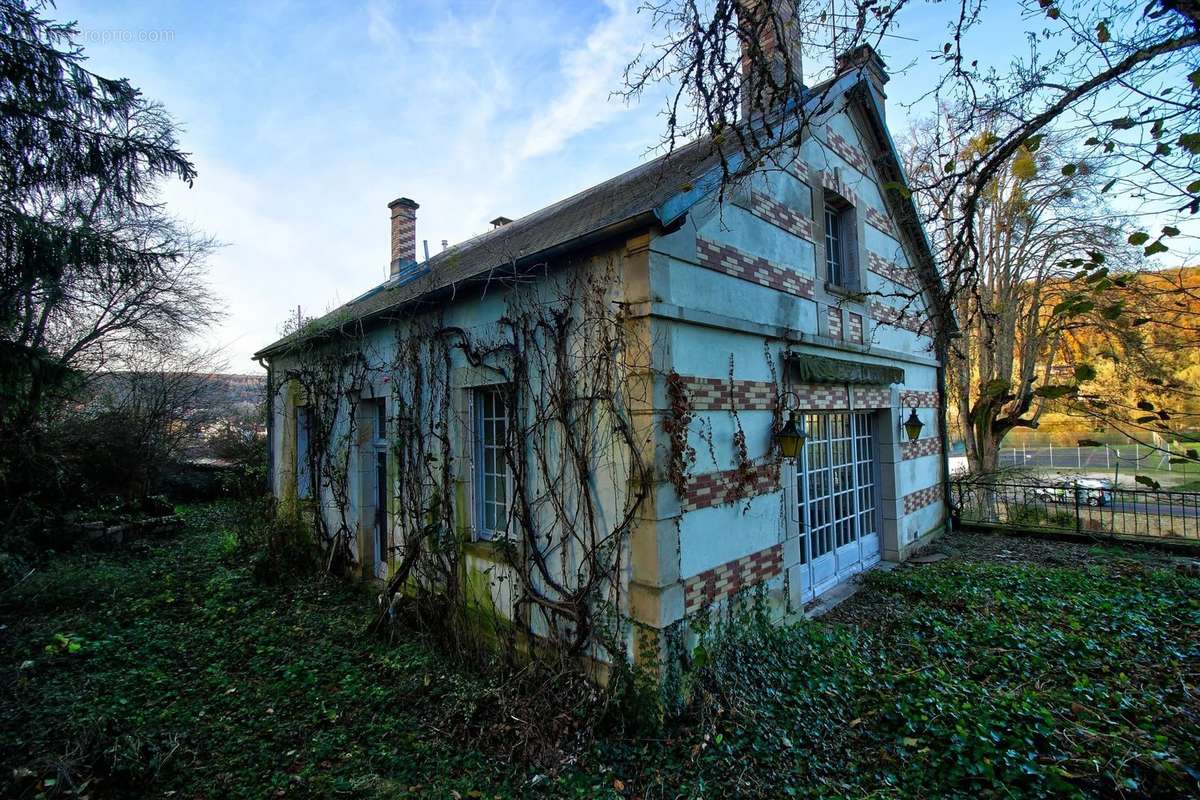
(584, 404)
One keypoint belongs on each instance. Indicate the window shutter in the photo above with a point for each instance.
(850, 271)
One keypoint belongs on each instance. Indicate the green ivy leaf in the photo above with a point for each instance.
(1113, 311)
(1085, 372)
(1069, 169)
(1190, 142)
(1170, 230)
(1145, 481)
(1141, 237)
(1145, 405)
(1155, 248)
(1102, 35)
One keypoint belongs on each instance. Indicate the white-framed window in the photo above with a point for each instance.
(303, 463)
(491, 480)
(840, 247)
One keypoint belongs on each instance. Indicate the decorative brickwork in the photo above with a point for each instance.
(891, 271)
(878, 219)
(855, 328)
(866, 397)
(781, 216)
(910, 398)
(720, 583)
(404, 231)
(731, 261)
(821, 396)
(881, 312)
(833, 316)
(853, 156)
(832, 181)
(930, 446)
(717, 394)
(917, 500)
(804, 172)
(719, 488)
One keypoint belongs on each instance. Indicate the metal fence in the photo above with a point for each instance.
(1126, 458)
(1079, 506)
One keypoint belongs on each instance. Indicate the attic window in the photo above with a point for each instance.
(841, 247)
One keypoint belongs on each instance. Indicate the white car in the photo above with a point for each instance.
(1092, 491)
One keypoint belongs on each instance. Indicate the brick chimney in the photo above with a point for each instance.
(867, 62)
(757, 23)
(404, 234)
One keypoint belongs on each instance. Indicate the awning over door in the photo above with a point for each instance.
(806, 368)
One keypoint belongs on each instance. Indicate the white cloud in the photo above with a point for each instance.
(592, 72)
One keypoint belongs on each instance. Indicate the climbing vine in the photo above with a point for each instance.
(675, 424)
(562, 361)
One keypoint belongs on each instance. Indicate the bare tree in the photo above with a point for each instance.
(1119, 78)
(1035, 229)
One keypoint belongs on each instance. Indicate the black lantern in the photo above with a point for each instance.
(913, 425)
(791, 436)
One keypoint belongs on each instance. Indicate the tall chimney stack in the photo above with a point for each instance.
(869, 65)
(404, 234)
(762, 25)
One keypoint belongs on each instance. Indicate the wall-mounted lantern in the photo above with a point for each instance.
(791, 436)
(913, 425)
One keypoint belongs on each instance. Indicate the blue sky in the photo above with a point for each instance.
(306, 119)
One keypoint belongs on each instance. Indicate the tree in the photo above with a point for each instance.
(92, 267)
(132, 426)
(1115, 83)
(1034, 228)
(1122, 79)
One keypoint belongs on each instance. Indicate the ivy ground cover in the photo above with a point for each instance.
(168, 670)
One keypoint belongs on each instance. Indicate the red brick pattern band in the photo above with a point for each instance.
(892, 271)
(717, 394)
(877, 219)
(821, 396)
(832, 180)
(855, 328)
(731, 261)
(833, 316)
(728, 579)
(866, 397)
(929, 446)
(910, 398)
(781, 216)
(885, 314)
(917, 500)
(718, 488)
(852, 155)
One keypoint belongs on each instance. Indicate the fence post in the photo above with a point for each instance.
(1051, 454)
(1079, 523)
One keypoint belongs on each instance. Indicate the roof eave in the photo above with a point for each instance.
(628, 225)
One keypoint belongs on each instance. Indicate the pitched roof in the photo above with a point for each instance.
(595, 210)
(657, 191)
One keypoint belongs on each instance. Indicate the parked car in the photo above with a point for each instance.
(1089, 491)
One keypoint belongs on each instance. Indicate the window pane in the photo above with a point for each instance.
(491, 469)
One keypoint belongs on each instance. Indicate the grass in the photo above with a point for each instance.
(167, 668)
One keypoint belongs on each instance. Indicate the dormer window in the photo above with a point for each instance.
(840, 245)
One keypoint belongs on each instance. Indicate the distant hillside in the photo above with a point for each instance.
(242, 393)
